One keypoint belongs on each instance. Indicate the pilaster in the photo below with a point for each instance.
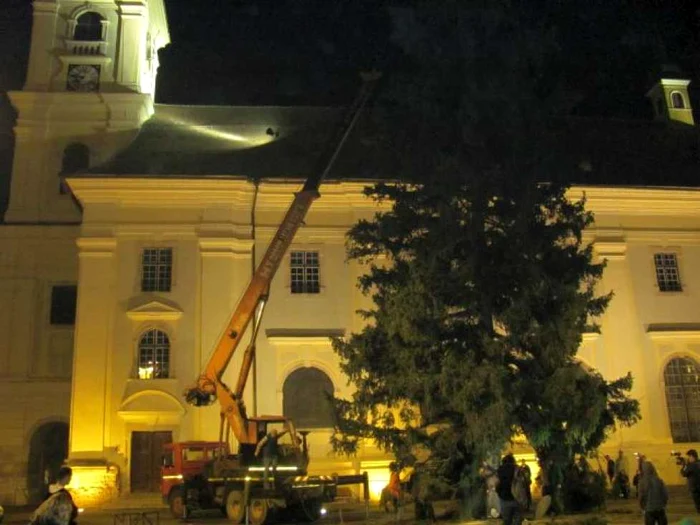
(93, 346)
(41, 56)
(225, 271)
(623, 347)
(132, 44)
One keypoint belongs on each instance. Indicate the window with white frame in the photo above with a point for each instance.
(668, 277)
(682, 385)
(154, 355)
(305, 266)
(156, 269)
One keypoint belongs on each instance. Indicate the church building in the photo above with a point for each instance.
(133, 228)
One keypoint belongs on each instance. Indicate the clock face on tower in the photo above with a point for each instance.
(83, 77)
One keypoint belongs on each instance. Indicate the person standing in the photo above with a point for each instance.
(392, 492)
(621, 487)
(621, 464)
(610, 467)
(269, 447)
(527, 475)
(653, 495)
(58, 508)
(691, 470)
(510, 509)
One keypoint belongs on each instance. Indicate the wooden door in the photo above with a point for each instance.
(146, 454)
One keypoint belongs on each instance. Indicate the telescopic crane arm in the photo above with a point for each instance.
(209, 385)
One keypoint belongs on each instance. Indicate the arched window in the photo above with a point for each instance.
(677, 101)
(76, 157)
(306, 402)
(88, 27)
(682, 379)
(154, 355)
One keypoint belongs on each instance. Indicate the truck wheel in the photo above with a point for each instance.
(309, 509)
(257, 512)
(176, 502)
(235, 509)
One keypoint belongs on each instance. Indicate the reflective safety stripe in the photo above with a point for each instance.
(173, 476)
(283, 468)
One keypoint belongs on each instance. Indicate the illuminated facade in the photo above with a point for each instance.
(176, 202)
(89, 86)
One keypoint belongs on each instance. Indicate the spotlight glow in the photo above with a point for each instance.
(249, 140)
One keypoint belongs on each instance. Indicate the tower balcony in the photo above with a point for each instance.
(86, 47)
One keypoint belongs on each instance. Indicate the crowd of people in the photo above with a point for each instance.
(508, 487)
(509, 496)
(650, 489)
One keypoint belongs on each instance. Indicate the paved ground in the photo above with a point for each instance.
(618, 512)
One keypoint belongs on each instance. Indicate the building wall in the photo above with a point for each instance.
(35, 356)
(644, 328)
(207, 224)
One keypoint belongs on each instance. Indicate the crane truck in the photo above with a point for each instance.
(199, 474)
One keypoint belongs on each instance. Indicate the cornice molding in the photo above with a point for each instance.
(590, 337)
(610, 250)
(205, 192)
(225, 247)
(287, 337)
(665, 332)
(666, 202)
(96, 245)
(154, 310)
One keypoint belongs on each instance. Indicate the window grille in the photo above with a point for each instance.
(156, 269)
(667, 275)
(682, 383)
(305, 272)
(154, 355)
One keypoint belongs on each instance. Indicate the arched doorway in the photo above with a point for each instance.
(48, 449)
(305, 398)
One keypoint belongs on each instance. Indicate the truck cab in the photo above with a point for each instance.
(182, 461)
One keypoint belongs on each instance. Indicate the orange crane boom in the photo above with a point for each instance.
(209, 385)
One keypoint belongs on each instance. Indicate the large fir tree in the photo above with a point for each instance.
(485, 284)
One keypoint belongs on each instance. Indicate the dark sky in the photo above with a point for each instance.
(302, 51)
(309, 51)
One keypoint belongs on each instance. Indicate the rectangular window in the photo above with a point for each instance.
(156, 269)
(63, 301)
(305, 272)
(667, 276)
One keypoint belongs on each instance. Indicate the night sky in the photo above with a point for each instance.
(308, 52)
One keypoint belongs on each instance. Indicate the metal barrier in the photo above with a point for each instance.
(137, 518)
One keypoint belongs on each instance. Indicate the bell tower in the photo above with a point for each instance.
(90, 85)
(670, 100)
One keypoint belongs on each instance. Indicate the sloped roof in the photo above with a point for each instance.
(286, 142)
(631, 152)
(254, 142)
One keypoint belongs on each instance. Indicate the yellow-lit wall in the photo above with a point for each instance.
(35, 356)
(207, 224)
